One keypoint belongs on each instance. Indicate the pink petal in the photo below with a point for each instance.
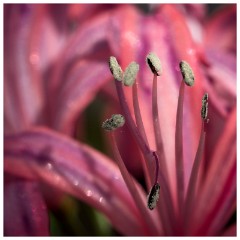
(76, 169)
(22, 94)
(231, 231)
(220, 54)
(220, 30)
(80, 71)
(25, 212)
(79, 89)
(221, 84)
(197, 11)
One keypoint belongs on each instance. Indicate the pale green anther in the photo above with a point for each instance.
(116, 121)
(204, 110)
(154, 63)
(115, 69)
(187, 73)
(130, 74)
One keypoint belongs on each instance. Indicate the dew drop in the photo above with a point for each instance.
(75, 182)
(89, 193)
(49, 166)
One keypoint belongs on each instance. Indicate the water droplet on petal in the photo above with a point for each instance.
(49, 166)
(75, 182)
(116, 177)
(89, 193)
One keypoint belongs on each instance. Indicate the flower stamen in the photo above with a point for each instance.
(196, 164)
(187, 73)
(115, 69)
(154, 63)
(204, 110)
(188, 79)
(116, 121)
(133, 188)
(130, 74)
(155, 66)
(153, 196)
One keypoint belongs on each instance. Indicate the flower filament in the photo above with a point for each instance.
(157, 157)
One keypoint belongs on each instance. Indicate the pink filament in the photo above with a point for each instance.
(179, 149)
(133, 188)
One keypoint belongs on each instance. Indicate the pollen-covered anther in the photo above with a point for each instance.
(116, 121)
(187, 73)
(130, 74)
(115, 69)
(153, 196)
(204, 110)
(154, 63)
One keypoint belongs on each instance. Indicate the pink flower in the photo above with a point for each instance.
(52, 73)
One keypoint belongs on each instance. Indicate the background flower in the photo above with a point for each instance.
(55, 61)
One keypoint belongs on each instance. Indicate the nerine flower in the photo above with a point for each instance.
(182, 139)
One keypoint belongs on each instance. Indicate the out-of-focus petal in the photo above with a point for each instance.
(79, 89)
(196, 11)
(220, 30)
(220, 56)
(76, 169)
(231, 231)
(221, 83)
(79, 72)
(22, 95)
(80, 13)
(25, 212)
(84, 43)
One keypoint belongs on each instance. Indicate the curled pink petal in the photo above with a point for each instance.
(77, 169)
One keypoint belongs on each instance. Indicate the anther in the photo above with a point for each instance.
(204, 110)
(116, 121)
(153, 196)
(187, 73)
(130, 74)
(115, 69)
(154, 63)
